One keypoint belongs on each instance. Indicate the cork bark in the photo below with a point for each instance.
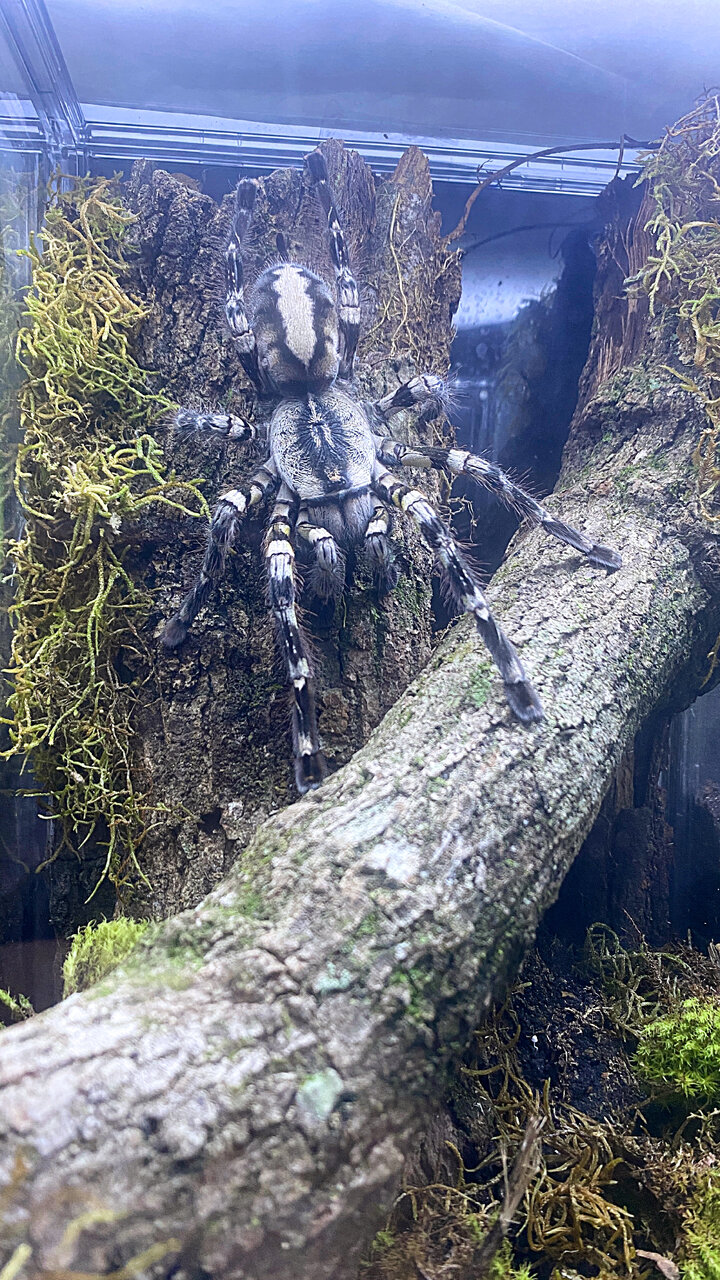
(238, 1100)
(212, 721)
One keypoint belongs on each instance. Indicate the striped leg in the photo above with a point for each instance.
(235, 311)
(521, 696)
(310, 766)
(229, 511)
(377, 545)
(394, 453)
(348, 296)
(225, 425)
(329, 575)
(421, 389)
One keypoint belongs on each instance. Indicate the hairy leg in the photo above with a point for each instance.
(235, 309)
(395, 453)
(466, 588)
(328, 578)
(423, 389)
(225, 426)
(310, 766)
(348, 296)
(379, 551)
(230, 509)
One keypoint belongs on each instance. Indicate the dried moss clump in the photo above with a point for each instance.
(98, 948)
(684, 272)
(87, 467)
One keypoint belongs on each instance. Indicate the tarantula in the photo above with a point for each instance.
(330, 460)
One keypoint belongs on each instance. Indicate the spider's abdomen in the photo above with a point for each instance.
(322, 444)
(296, 329)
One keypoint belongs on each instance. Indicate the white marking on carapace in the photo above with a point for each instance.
(297, 312)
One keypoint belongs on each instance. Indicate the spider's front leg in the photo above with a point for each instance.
(348, 295)
(424, 388)
(225, 426)
(465, 586)
(310, 766)
(459, 462)
(235, 309)
(230, 509)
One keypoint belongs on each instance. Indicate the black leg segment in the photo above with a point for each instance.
(310, 766)
(348, 295)
(230, 509)
(395, 453)
(464, 584)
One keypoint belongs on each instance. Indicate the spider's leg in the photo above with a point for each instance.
(466, 588)
(377, 545)
(230, 509)
(421, 389)
(227, 426)
(394, 453)
(235, 310)
(329, 576)
(348, 295)
(310, 766)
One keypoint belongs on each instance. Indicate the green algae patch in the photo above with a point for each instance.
(96, 949)
(87, 467)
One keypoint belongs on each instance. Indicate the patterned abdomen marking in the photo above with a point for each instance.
(323, 445)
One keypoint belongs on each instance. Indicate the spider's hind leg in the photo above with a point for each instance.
(230, 509)
(423, 389)
(310, 765)
(466, 589)
(488, 474)
(328, 576)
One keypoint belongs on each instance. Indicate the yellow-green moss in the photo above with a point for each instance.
(96, 949)
(18, 1007)
(702, 1242)
(87, 466)
(681, 1051)
(683, 274)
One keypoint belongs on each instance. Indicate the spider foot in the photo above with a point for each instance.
(524, 702)
(387, 577)
(316, 166)
(605, 557)
(310, 772)
(174, 633)
(327, 583)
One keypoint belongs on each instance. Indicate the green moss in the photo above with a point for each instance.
(702, 1243)
(87, 467)
(98, 948)
(681, 1051)
(682, 275)
(18, 1007)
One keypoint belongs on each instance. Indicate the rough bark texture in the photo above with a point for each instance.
(241, 1096)
(213, 718)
